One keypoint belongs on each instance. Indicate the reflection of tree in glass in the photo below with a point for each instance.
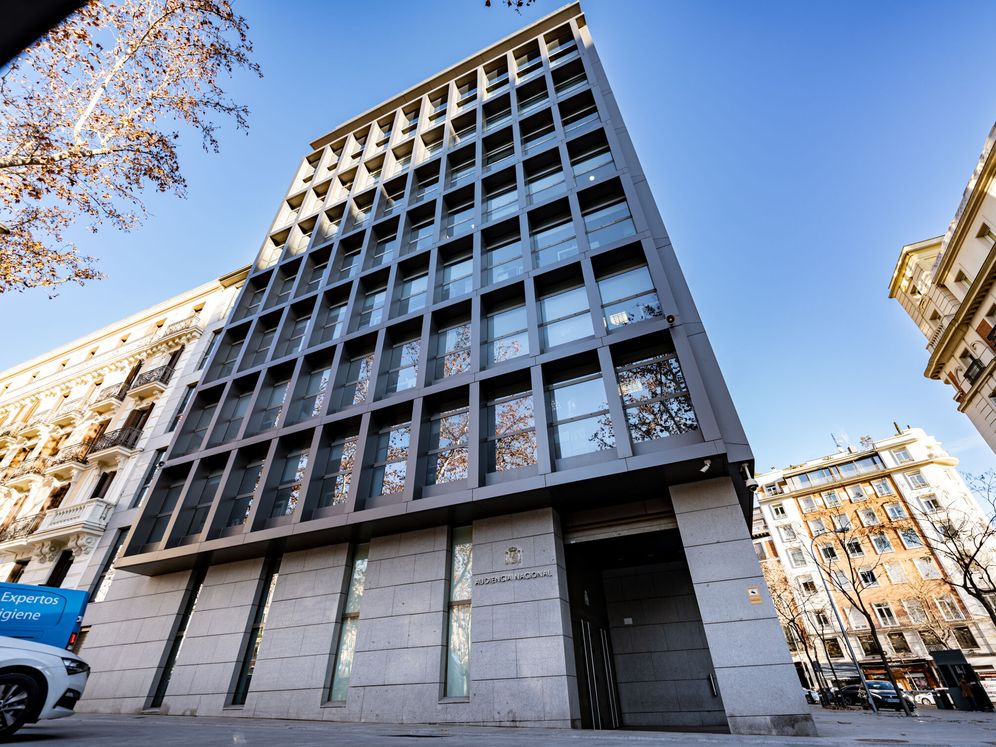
(295, 493)
(656, 399)
(345, 475)
(363, 380)
(450, 462)
(515, 433)
(507, 349)
(456, 347)
(397, 458)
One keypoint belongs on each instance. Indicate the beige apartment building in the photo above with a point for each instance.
(887, 490)
(83, 429)
(945, 284)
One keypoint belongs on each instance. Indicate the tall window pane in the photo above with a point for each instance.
(507, 335)
(628, 297)
(348, 626)
(448, 451)
(338, 473)
(458, 641)
(513, 428)
(453, 353)
(269, 583)
(390, 466)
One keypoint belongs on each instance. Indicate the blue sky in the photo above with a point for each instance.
(793, 148)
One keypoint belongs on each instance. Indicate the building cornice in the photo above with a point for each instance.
(959, 325)
(905, 255)
(550, 21)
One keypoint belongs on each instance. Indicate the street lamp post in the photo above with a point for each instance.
(843, 630)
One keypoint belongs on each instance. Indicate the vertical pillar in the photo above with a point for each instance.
(754, 671)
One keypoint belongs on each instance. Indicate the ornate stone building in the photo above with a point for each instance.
(890, 496)
(945, 284)
(82, 429)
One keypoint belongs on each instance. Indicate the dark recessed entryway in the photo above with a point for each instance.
(640, 649)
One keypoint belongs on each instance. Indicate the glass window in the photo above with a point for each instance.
(885, 615)
(315, 274)
(513, 443)
(910, 538)
(895, 510)
(498, 153)
(288, 490)
(902, 455)
(413, 293)
(916, 480)
(502, 202)
(337, 474)
(241, 502)
(230, 420)
(294, 336)
(592, 160)
(349, 264)
(421, 235)
(390, 467)
(457, 277)
(628, 297)
(881, 543)
(372, 308)
(458, 219)
(196, 425)
(269, 408)
(554, 243)
(383, 251)
(198, 503)
(244, 679)
(356, 386)
(546, 183)
(403, 371)
(453, 351)
(448, 447)
(348, 627)
(507, 335)
(579, 417)
(965, 638)
(264, 339)
(458, 639)
(150, 475)
(608, 223)
(331, 323)
(565, 317)
(949, 608)
(868, 517)
(313, 394)
(102, 584)
(580, 117)
(504, 261)
(655, 397)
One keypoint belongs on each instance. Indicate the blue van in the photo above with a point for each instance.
(41, 613)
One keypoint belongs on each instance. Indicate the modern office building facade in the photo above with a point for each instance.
(464, 453)
(82, 429)
(891, 495)
(945, 284)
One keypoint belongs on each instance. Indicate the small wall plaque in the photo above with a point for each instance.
(754, 594)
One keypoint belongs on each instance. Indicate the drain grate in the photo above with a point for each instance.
(883, 741)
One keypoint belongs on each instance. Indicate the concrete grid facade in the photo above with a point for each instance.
(467, 320)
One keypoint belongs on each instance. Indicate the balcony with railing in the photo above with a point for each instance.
(27, 474)
(18, 529)
(68, 461)
(69, 413)
(8, 435)
(112, 445)
(151, 383)
(33, 427)
(109, 398)
(87, 517)
(177, 328)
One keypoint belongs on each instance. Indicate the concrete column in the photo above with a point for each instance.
(754, 672)
(522, 653)
(292, 670)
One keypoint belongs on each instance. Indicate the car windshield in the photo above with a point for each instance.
(880, 685)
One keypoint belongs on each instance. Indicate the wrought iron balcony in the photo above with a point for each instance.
(21, 527)
(34, 467)
(122, 439)
(151, 382)
(68, 460)
(191, 322)
(32, 428)
(109, 398)
(69, 413)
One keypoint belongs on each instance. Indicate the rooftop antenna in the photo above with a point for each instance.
(840, 441)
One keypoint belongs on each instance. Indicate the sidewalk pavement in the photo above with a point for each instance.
(931, 728)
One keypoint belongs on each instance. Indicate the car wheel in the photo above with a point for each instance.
(19, 696)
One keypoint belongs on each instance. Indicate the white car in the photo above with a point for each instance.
(37, 682)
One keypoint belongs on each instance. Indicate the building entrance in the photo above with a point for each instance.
(640, 650)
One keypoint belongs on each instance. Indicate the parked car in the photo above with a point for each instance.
(37, 682)
(812, 696)
(921, 697)
(883, 693)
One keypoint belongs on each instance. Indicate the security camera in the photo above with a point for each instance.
(751, 484)
(671, 318)
(160, 464)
